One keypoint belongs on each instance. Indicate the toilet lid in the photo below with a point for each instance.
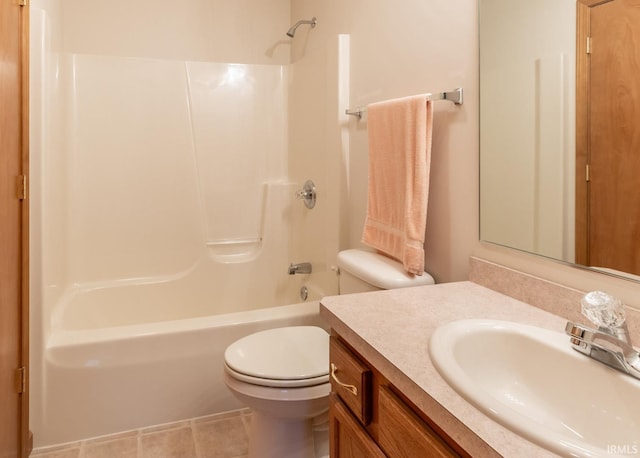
(291, 353)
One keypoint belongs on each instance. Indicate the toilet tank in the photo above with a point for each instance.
(362, 271)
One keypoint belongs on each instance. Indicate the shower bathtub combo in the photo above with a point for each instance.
(167, 222)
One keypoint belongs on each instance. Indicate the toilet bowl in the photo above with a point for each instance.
(282, 374)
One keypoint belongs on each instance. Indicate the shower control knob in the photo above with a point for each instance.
(308, 194)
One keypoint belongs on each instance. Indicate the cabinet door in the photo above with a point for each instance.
(403, 434)
(347, 438)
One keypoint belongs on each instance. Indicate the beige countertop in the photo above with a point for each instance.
(391, 329)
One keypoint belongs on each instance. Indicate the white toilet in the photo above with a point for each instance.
(282, 374)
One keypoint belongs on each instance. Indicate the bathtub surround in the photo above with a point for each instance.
(164, 197)
(175, 191)
(151, 226)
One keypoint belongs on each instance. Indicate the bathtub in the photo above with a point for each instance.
(105, 380)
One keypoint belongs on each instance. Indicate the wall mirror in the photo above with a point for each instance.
(559, 130)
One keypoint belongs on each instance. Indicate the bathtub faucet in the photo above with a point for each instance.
(300, 268)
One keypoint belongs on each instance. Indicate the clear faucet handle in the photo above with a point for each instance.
(603, 310)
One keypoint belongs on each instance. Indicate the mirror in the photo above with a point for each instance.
(541, 136)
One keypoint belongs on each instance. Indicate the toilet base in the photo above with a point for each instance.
(273, 437)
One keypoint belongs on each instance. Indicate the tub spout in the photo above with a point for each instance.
(300, 268)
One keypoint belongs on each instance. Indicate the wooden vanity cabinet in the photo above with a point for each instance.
(370, 419)
(348, 438)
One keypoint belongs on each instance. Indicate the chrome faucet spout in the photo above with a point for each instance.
(300, 268)
(605, 346)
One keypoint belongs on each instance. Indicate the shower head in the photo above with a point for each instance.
(292, 31)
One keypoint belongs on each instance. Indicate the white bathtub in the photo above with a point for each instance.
(105, 380)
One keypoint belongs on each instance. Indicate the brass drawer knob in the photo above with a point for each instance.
(352, 388)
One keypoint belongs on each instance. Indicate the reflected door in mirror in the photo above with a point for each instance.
(608, 224)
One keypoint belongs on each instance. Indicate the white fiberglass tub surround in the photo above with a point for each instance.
(166, 224)
(165, 245)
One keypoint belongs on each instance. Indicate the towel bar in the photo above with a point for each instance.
(454, 96)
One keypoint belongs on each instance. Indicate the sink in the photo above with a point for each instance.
(531, 381)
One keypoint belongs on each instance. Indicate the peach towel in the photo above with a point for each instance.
(399, 134)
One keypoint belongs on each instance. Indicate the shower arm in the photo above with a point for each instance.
(292, 31)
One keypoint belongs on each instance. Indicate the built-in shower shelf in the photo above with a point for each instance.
(234, 250)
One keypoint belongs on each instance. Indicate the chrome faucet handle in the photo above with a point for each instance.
(308, 194)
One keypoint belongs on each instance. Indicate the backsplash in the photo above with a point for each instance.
(549, 296)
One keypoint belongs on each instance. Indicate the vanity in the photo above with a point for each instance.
(388, 398)
(369, 416)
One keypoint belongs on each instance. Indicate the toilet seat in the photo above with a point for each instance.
(289, 357)
(277, 383)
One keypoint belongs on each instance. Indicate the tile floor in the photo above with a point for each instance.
(217, 436)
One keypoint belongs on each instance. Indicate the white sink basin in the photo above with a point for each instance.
(531, 381)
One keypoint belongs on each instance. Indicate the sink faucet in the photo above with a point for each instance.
(610, 343)
(300, 268)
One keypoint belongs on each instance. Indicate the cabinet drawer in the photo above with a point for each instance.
(403, 433)
(351, 380)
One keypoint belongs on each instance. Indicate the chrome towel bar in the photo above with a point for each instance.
(454, 96)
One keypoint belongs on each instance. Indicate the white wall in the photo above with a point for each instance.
(407, 47)
(399, 49)
(112, 87)
(239, 31)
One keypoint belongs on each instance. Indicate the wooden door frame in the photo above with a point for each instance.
(15, 121)
(583, 149)
(26, 437)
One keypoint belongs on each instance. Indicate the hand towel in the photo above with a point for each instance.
(399, 133)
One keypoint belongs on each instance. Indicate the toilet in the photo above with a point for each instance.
(282, 374)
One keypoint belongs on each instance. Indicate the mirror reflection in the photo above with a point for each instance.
(559, 140)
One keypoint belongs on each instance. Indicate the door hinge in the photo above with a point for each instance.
(588, 45)
(587, 173)
(23, 2)
(21, 187)
(21, 380)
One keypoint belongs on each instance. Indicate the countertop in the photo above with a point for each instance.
(391, 329)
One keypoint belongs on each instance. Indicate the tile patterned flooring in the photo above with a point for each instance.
(217, 436)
